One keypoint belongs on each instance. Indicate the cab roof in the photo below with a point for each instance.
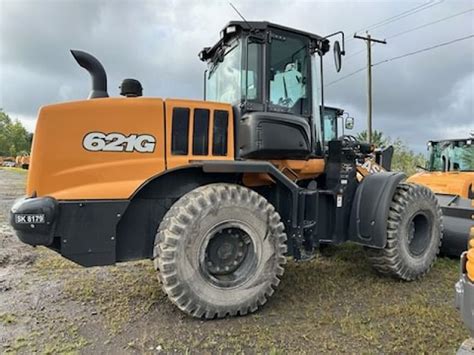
(253, 26)
(264, 25)
(450, 140)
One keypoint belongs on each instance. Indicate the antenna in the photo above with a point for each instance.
(238, 13)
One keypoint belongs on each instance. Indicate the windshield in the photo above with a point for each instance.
(224, 76)
(227, 80)
(451, 156)
(330, 125)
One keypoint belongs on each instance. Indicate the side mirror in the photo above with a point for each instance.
(337, 56)
(349, 123)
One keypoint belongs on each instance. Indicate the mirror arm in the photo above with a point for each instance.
(205, 78)
(321, 69)
(343, 52)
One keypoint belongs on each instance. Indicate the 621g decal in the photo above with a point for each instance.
(118, 142)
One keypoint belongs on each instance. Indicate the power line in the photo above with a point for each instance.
(394, 16)
(430, 23)
(400, 16)
(406, 15)
(416, 28)
(345, 77)
(356, 53)
(401, 56)
(423, 50)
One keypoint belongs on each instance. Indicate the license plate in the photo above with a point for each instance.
(30, 218)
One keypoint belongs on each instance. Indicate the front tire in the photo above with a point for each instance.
(220, 251)
(414, 234)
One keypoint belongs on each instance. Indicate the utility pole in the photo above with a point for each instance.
(368, 40)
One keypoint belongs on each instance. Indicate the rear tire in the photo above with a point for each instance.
(414, 234)
(220, 251)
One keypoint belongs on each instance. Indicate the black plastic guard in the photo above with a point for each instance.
(87, 230)
(368, 222)
(34, 220)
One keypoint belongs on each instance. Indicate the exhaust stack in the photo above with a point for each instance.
(96, 71)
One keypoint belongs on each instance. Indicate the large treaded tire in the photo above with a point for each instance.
(183, 233)
(397, 258)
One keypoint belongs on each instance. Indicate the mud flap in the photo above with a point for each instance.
(87, 231)
(369, 213)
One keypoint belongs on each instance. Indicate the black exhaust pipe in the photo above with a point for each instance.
(96, 70)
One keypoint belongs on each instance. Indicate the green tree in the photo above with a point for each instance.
(378, 138)
(403, 159)
(14, 138)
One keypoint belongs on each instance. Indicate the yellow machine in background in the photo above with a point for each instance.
(22, 161)
(465, 293)
(450, 168)
(450, 175)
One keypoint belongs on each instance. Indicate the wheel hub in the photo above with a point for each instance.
(226, 251)
(419, 234)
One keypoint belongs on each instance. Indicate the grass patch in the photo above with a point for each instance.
(7, 318)
(335, 303)
(121, 294)
(15, 170)
(64, 341)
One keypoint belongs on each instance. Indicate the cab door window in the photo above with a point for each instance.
(289, 71)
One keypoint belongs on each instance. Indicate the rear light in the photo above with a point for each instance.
(470, 257)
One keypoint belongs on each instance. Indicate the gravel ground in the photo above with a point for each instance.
(332, 304)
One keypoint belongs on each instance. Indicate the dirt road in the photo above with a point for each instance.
(335, 303)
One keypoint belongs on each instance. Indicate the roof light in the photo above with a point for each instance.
(231, 29)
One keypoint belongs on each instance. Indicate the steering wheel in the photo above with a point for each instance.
(349, 140)
(287, 102)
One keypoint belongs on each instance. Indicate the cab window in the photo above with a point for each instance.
(330, 126)
(223, 82)
(289, 68)
(250, 76)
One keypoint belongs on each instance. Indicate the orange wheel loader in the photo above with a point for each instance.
(220, 191)
(450, 175)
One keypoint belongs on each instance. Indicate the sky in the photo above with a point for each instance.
(416, 98)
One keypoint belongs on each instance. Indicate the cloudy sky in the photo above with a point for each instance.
(424, 96)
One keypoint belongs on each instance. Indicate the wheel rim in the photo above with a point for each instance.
(419, 234)
(228, 255)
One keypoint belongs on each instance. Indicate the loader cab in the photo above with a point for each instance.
(270, 74)
(451, 155)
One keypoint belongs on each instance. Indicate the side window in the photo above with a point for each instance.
(330, 126)
(180, 131)
(219, 134)
(250, 79)
(201, 132)
(289, 67)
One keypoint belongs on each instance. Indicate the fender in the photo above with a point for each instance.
(369, 212)
(137, 228)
